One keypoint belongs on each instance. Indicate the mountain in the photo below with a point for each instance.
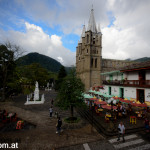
(46, 62)
(143, 59)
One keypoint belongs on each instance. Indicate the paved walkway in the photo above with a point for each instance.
(132, 142)
(44, 136)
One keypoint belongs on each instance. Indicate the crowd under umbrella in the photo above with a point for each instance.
(125, 101)
(109, 107)
(138, 104)
(94, 99)
(100, 102)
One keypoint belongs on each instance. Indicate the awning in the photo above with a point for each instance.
(111, 72)
(87, 96)
(108, 96)
(91, 91)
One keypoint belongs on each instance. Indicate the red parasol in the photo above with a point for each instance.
(100, 102)
(139, 105)
(108, 107)
(125, 101)
(94, 99)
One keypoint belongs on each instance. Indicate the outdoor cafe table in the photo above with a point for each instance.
(100, 109)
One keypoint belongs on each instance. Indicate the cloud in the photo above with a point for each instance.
(36, 40)
(129, 37)
(69, 14)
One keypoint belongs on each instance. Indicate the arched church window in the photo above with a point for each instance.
(96, 63)
(91, 62)
(87, 38)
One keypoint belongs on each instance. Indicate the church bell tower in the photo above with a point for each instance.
(88, 54)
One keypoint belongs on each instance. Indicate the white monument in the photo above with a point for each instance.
(36, 91)
(47, 88)
(42, 98)
(36, 99)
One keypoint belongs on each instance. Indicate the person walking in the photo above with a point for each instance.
(146, 122)
(52, 101)
(121, 131)
(51, 111)
(58, 126)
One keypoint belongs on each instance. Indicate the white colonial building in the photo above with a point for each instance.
(131, 82)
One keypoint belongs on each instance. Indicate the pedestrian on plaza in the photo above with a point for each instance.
(51, 111)
(52, 101)
(111, 105)
(58, 125)
(146, 122)
(121, 131)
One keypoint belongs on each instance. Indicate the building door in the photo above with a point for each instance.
(110, 77)
(109, 91)
(142, 77)
(140, 95)
(121, 92)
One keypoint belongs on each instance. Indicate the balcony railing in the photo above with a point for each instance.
(135, 83)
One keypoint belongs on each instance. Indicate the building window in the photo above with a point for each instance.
(87, 51)
(103, 64)
(96, 63)
(79, 58)
(93, 42)
(91, 62)
(87, 38)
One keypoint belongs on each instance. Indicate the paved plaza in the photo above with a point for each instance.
(44, 135)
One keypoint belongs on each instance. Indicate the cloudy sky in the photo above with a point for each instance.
(53, 27)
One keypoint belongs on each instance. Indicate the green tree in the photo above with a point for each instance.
(61, 75)
(8, 54)
(6, 67)
(70, 94)
(34, 72)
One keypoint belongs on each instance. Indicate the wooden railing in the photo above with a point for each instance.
(135, 83)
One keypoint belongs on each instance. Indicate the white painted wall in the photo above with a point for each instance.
(147, 94)
(115, 77)
(133, 76)
(148, 75)
(107, 77)
(120, 77)
(130, 92)
(115, 90)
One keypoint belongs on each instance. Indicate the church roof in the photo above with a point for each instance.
(91, 23)
(137, 66)
(83, 34)
(83, 31)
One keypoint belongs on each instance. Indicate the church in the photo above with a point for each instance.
(89, 61)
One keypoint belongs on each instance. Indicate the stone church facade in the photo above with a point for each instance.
(89, 61)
